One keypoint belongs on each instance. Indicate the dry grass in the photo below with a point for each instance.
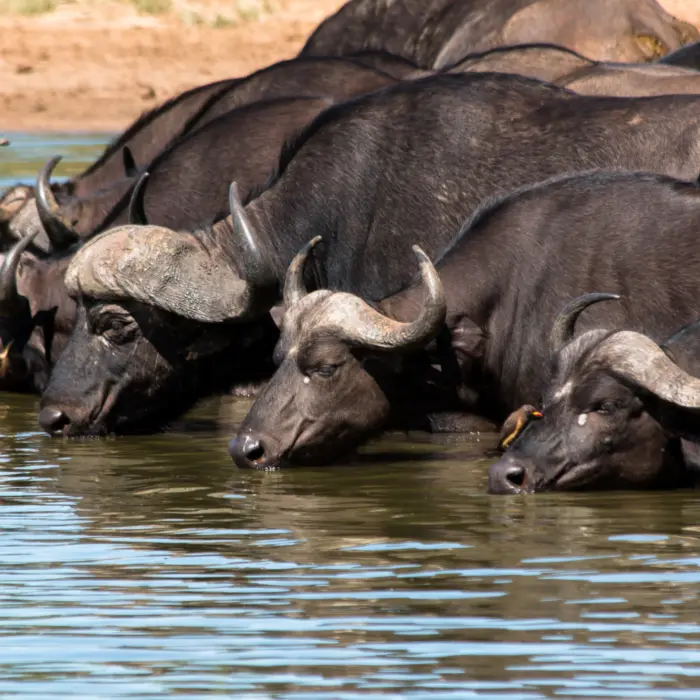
(27, 7)
(210, 13)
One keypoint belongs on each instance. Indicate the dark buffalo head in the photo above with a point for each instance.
(16, 322)
(61, 214)
(156, 310)
(612, 418)
(36, 315)
(337, 359)
(36, 212)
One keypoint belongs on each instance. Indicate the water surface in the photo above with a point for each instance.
(144, 567)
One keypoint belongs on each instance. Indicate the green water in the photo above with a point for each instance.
(150, 566)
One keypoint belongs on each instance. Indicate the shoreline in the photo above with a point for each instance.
(95, 67)
(99, 71)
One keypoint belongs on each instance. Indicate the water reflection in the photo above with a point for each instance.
(149, 566)
(22, 159)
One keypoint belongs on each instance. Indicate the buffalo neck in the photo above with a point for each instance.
(476, 279)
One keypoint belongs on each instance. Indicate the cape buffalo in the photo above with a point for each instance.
(187, 185)
(145, 138)
(620, 411)
(346, 369)
(404, 164)
(438, 33)
(81, 204)
(188, 182)
(615, 413)
(568, 69)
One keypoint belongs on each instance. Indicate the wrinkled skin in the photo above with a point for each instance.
(439, 33)
(597, 432)
(179, 360)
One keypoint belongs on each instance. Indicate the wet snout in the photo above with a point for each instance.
(53, 420)
(509, 475)
(253, 450)
(59, 415)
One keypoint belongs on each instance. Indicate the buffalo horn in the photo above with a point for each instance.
(294, 289)
(58, 229)
(137, 212)
(255, 266)
(359, 323)
(638, 359)
(565, 323)
(9, 296)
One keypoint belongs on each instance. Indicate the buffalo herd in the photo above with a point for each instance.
(442, 215)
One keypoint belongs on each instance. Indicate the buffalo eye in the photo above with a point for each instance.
(324, 371)
(116, 329)
(607, 407)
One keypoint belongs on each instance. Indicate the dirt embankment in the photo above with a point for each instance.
(100, 67)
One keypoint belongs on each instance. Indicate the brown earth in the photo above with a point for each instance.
(100, 68)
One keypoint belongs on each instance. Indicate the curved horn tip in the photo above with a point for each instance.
(137, 213)
(51, 164)
(563, 329)
(303, 254)
(294, 289)
(421, 254)
(234, 197)
(43, 181)
(60, 232)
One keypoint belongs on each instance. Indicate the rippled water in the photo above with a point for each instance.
(151, 566)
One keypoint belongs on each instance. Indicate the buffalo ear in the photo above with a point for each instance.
(130, 167)
(277, 315)
(466, 339)
(461, 351)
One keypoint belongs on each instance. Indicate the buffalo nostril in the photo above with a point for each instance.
(515, 476)
(247, 450)
(507, 476)
(53, 420)
(253, 450)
